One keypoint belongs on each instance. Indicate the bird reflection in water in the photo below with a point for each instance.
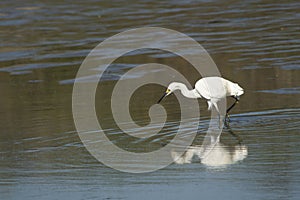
(214, 154)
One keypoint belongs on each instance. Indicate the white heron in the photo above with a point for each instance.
(213, 89)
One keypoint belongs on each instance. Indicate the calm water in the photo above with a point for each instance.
(254, 43)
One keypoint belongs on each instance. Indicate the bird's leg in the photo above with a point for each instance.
(227, 119)
(239, 139)
(236, 101)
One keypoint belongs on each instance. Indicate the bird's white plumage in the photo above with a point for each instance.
(217, 88)
(213, 89)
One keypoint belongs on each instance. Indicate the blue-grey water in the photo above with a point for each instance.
(254, 43)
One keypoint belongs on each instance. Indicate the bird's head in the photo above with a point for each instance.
(171, 88)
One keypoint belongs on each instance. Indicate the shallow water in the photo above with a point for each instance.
(255, 44)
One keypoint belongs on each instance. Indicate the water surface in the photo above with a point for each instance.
(254, 43)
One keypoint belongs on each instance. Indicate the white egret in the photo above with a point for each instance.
(213, 89)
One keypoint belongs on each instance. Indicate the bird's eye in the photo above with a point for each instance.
(168, 90)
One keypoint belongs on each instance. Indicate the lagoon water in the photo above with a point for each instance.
(253, 43)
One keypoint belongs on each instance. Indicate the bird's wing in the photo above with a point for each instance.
(211, 88)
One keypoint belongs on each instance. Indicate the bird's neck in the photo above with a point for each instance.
(189, 93)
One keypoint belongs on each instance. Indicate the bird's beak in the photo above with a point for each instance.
(165, 94)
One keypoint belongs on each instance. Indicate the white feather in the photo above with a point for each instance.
(213, 89)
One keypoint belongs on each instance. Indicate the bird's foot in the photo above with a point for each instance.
(227, 119)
